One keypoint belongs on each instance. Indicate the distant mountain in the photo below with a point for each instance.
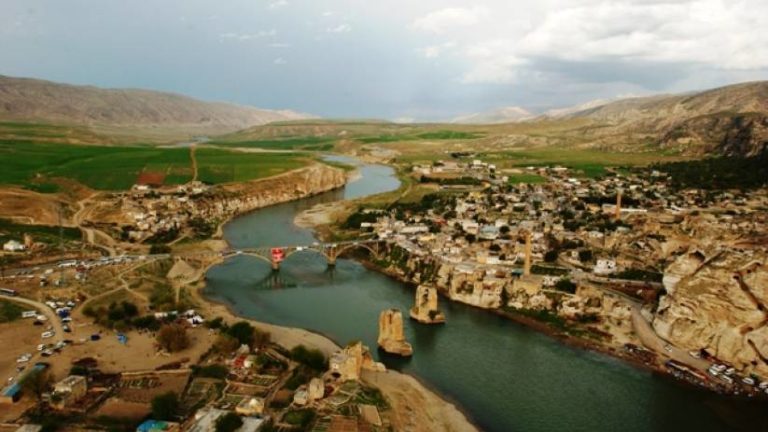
(566, 111)
(500, 115)
(24, 99)
(731, 120)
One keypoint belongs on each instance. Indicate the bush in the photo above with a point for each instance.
(173, 337)
(243, 332)
(226, 344)
(157, 249)
(165, 406)
(550, 256)
(148, 322)
(229, 422)
(212, 371)
(312, 358)
(585, 255)
(566, 285)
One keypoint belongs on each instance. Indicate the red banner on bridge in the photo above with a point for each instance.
(277, 254)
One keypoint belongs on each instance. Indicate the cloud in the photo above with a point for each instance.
(279, 45)
(341, 28)
(442, 20)
(435, 51)
(506, 42)
(249, 36)
(279, 61)
(276, 4)
(328, 13)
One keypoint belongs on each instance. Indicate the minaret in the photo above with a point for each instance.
(527, 268)
(617, 214)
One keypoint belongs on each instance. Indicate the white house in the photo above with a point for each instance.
(605, 267)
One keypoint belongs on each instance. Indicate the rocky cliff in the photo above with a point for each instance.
(716, 300)
(241, 198)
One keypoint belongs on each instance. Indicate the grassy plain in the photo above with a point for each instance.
(117, 168)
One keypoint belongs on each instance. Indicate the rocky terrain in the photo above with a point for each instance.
(24, 99)
(731, 120)
(715, 300)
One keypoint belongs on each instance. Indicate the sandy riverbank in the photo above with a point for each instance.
(416, 407)
(321, 214)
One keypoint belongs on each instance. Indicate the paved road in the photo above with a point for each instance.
(654, 342)
(53, 319)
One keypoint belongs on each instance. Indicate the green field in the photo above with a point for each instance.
(117, 168)
(432, 135)
(306, 143)
(222, 166)
(525, 178)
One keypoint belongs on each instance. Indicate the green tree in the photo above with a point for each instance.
(165, 406)
(173, 337)
(243, 332)
(229, 422)
(37, 382)
(566, 285)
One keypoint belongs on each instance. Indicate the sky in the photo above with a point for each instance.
(400, 60)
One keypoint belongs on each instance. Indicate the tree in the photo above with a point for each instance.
(173, 337)
(550, 256)
(165, 406)
(229, 422)
(313, 358)
(566, 285)
(37, 382)
(585, 255)
(243, 332)
(261, 338)
(157, 249)
(226, 344)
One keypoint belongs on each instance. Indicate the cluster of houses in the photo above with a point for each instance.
(508, 245)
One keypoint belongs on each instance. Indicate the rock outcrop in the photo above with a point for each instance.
(244, 197)
(715, 300)
(425, 309)
(391, 336)
(348, 363)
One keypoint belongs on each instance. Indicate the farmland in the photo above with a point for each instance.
(117, 168)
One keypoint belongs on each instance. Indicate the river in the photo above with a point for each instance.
(506, 377)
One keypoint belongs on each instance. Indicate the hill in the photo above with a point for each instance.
(126, 110)
(499, 115)
(731, 120)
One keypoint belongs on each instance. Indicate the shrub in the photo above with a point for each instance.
(173, 337)
(243, 332)
(229, 422)
(165, 406)
(566, 285)
(312, 358)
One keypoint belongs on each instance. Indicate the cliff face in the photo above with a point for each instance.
(244, 197)
(716, 301)
(726, 134)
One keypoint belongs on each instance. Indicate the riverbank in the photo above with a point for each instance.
(656, 365)
(415, 406)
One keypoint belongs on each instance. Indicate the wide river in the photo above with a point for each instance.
(506, 377)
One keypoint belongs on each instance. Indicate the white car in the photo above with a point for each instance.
(46, 335)
(41, 347)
